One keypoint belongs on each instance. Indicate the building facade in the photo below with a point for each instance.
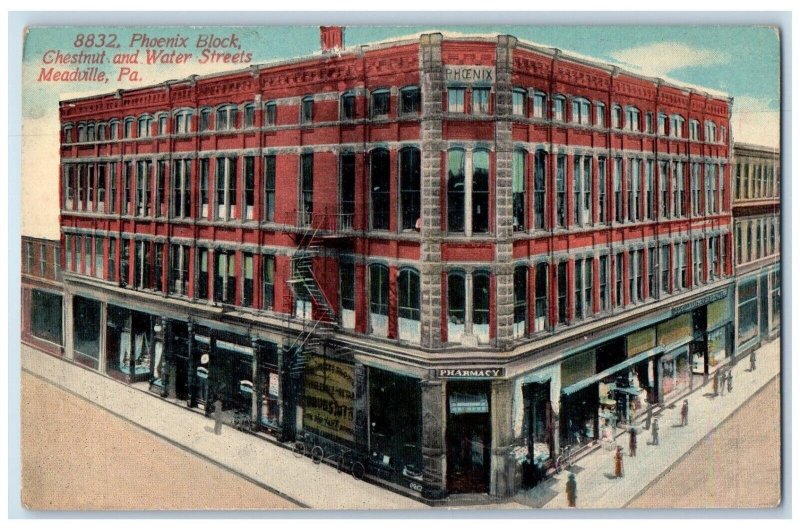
(451, 256)
(757, 232)
(42, 295)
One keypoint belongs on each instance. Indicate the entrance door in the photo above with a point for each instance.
(468, 438)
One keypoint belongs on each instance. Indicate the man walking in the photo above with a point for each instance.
(685, 413)
(655, 432)
(217, 416)
(618, 471)
(572, 490)
(632, 442)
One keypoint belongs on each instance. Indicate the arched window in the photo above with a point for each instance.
(520, 300)
(81, 132)
(581, 111)
(348, 105)
(410, 187)
(249, 116)
(205, 119)
(90, 132)
(539, 104)
(408, 316)
(307, 110)
(559, 111)
(162, 124)
(456, 305)
(539, 188)
(410, 100)
(145, 123)
(616, 116)
(113, 129)
(101, 131)
(518, 97)
(67, 134)
(480, 306)
(183, 122)
(694, 130)
(518, 189)
(380, 174)
(271, 111)
(128, 132)
(379, 299)
(380, 103)
(600, 114)
(455, 190)
(676, 122)
(227, 118)
(662, 124)
(632, 117)
(480, 191)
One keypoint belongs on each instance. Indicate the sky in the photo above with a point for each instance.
(742, 61)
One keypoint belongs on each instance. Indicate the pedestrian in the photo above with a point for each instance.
(716, 383)
(572, 490)
(619, 472)
(655, 432)
(218, 417)
(730, 381)
(685, 413)
(753, 361)
(632, 442)
(649, 416)
(722, 383)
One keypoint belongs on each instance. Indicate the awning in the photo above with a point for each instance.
(462, 403)
(611, 371)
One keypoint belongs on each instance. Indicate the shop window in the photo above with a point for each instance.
(665, 269)
(561, 284)
(456, 306)
(408, 310)
(518, 175)
(348, 106)
(181, 188)
(618, 278)
(267, 281)
(747, 300)
(227, 117)
(410, 188)
(269, 375)
(306, 188)
(539, 104)
(183, 122)
(561, 192)
(307, 110)
(179, 270)
(518, 96)
(602, 196)
(537, 430)
(480, 101)
(269, 188)
(247, 279)
(347, 293)
(225, 188)
(271, 111)
(202, 277)
(249, 116)
(540, 319)
(582, 184)
(603, 282)
(480, 306)
(581, 111)
(520, 300)
(249, 187)
(380, 103)
(46, 316)
(143, 188)
(145, 125)
(410, 102)
(380, 174)
(455, 100)
(600, 114)
(347, 207)
(617, 182)
(204, 187)
(86, 330)
(379, 299)
(775, 297)
(663, 176)
(225, 277)
(455, 190)
(559, 104)
(539, 188)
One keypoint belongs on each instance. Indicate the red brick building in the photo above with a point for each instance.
(42, 295)
(450, 255)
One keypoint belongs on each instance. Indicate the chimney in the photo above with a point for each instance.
(331, 38)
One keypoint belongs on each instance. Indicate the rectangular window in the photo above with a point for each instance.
(68, 251)
(348, 206)
(307, 110)
(161, 198)
(480, 100)
(540, 297)
(347, 293)
(410, 188)
(616, 116)
(124, 262)
(69, 186)
(410, 101)
(225, 188)
(87, 241)
(711, 188)
(267, 281)
(649, 189)
(601, 190)
(663, 207)
(78, 254)
(578, 295)
(204, 190)
(632, 270)
(561, 194)
(269, 188)
(695, 188)
(158, 267)
(202, 277)
(455, 99)
(112, 259)
(143, 188)
(618, 190)
(249, 116)
(600, 114)
(380, 104)
(127, 174)
(558, 108)
(43, 260)
(561, 281)
(101, 187)
(518, 190)
(539, 102)
(247, 280)
(179, 270)
(652, 285)
(665, 268)
(112, 188)
(618, 278)
(225, 277)
(603, 282)
(181, 188)
(634, 194)
(379, 188)
(249, 187)
(539, 180)
(678, 192)
(141, 265)
(582, 184)
(306, 188)
(648, 122)
(581, 112)
(517, 102)
(99, 257)
(455, 190)
(29, 257)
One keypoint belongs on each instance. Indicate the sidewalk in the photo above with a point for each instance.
(594, 473)
(315, 486)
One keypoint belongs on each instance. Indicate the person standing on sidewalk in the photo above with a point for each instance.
(685, 413)
(619, 472)
(753, 361)
(716, 383)
(655, 432)
(572, 490)
(632, 442)
(730, 381)
(217, 416)
(721, 382)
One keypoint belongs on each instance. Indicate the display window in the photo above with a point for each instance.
(718, 350)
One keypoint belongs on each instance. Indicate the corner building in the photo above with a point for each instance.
(451, 256)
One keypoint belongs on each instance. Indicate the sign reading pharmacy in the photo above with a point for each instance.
(469, 74)
(491, 372)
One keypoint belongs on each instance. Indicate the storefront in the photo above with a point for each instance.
(86, 315)
(468, 437)
(134, 349)
(676, 373)
(270, 411)
(717, 332)
(46, 316)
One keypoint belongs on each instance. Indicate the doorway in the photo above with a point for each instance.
(468, 437)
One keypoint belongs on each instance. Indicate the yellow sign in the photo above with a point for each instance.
(675, 329)
(717, 313)
(641, 341)
(329, 393)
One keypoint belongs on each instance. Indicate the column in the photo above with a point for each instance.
(191, 370)
(434, 417)
(101, 367)
(503, 465)
(67, 326)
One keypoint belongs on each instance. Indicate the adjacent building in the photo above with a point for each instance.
(757, 229)
(451, 256)
(42, 295)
